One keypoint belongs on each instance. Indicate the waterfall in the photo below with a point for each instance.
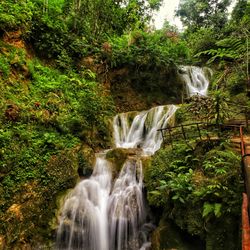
(99, 215)
(195, 79)
(84, 221)
(127, 209)
(142, 132)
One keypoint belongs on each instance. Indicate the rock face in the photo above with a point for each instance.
(141, 89)
(119, 155)
(86, 161)
(169, 237)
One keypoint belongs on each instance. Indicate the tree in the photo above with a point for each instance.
(95, 18)
(239, 10)
(203, 13)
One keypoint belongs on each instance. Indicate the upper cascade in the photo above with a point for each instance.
(196, 80)
(140, 130)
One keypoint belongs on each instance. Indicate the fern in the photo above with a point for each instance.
(211, 208)
(229, 49)
(207, 209)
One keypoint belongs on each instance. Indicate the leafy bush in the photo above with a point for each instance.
(52, 39)
(236, 83)
(228, 49)
(203, 184)
(15, 15)
(147, 50)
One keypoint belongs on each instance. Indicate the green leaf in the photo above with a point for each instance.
(181, 200)
(175, 197)
(207, 209)
(155, 192)
(163, 182)
(217, 209)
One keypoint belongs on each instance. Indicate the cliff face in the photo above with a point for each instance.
(139, 89)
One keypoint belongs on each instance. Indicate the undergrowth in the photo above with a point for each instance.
(47, 118)
(199, 190)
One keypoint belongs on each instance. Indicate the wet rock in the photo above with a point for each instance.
(168, 236)
(118, 156)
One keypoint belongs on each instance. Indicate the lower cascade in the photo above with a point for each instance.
(101, 214)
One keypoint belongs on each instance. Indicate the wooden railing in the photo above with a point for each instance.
(197, 130)
(185, 128)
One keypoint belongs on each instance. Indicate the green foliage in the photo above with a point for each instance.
(71, 30)
(15, 14)
(239, 10)
(45, 116)
(52, 39)
(4, 66)
(226, 47)
(10, 58)
(229, 49)
(82, 104)
(209, 208)
(203, 184)
(202, 39)
(177, 175)
(195, 14)
(148, 50)
(236, 84)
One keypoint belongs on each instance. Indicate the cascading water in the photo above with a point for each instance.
(127, 209)
(143, 130)
(195, 79)
(100, 216)
(84, 221)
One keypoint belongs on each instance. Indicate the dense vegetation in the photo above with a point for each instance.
(66, 66)
(199, 190)
(46, 117)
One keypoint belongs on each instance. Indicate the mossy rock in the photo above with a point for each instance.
(146, 163)
(86, 160)
(118, 157)
(28, 221)
(146, 88)
(63, 167)
(167, 236)
(224, 233)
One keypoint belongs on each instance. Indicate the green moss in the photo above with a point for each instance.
(118, 156)
(34, 205)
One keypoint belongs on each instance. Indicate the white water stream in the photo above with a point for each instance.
(142, 131)
(195, 79)
(84, 221)
(103, 215)
(100, 216)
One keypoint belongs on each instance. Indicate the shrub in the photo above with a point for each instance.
(203, 184)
